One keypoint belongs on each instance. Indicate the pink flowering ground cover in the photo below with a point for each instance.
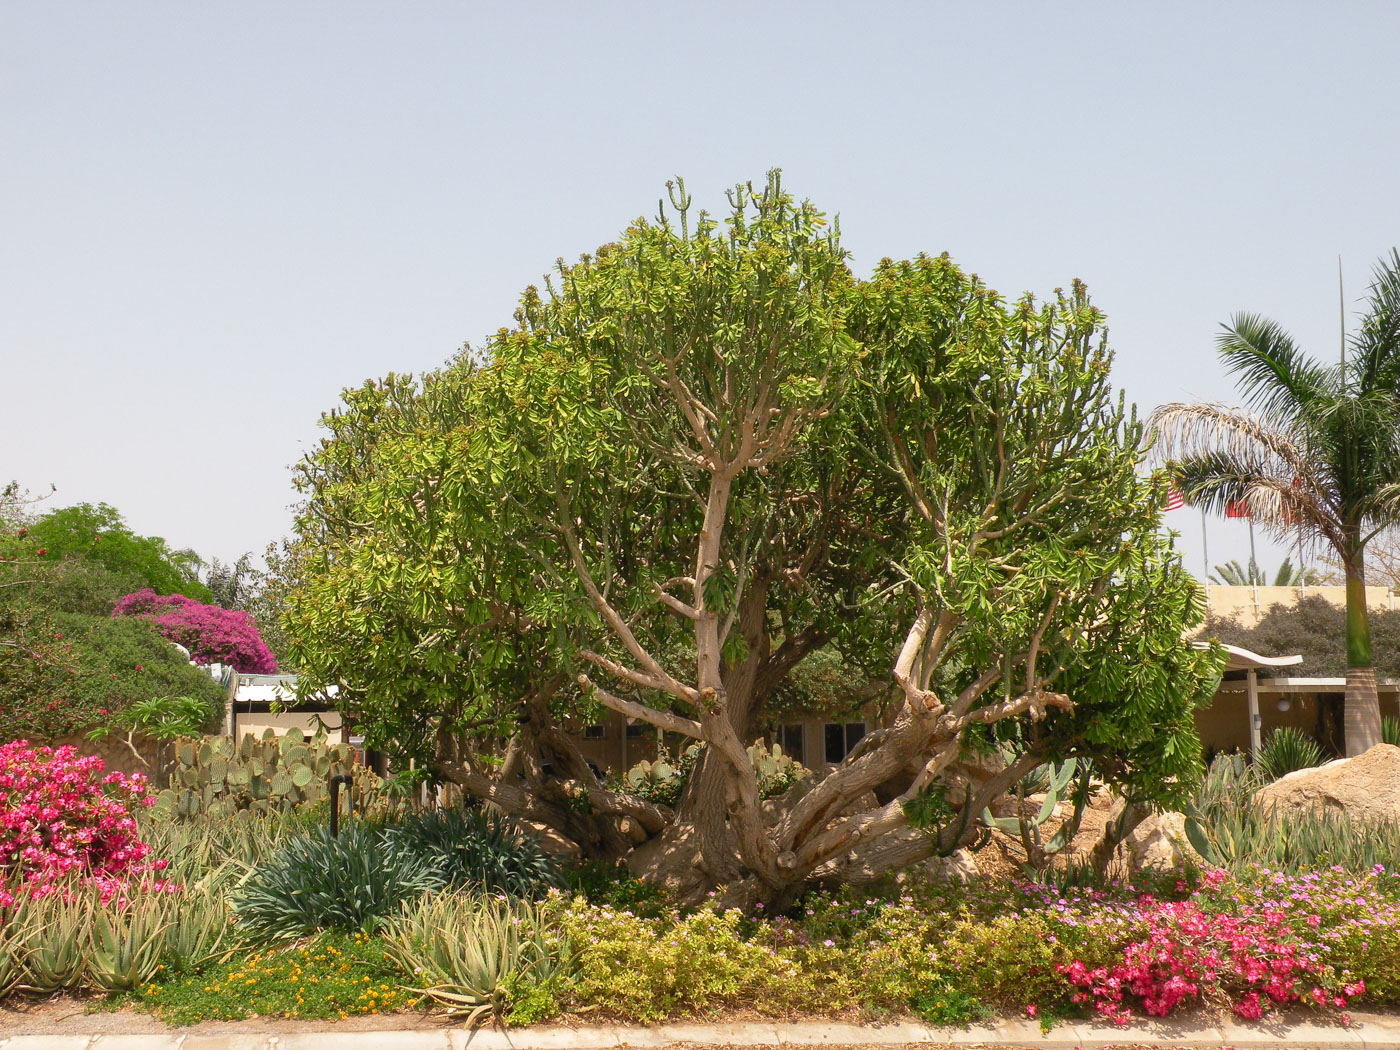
(64, 822)
(1255, 941)
(211, 633)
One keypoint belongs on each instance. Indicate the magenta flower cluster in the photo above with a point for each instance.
(211, 633)
(1254, 957)
(62, 822)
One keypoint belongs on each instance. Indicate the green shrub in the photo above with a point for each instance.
(317, 882)
(1288, 750)
(615, 886)
(1390, 731)
(639, 969)
(480, 850)
(331, 977)
(1010, 961)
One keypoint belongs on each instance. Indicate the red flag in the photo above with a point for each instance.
(1236, 508)
(1175, 500)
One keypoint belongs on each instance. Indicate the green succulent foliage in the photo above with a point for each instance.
(1390, 731)
(126, 945)
(466, 952)
(949, 450)
(1287, 750)
(1225, 827)
(348, 882)
(214, 777)
(479, 851)
(1033, 528)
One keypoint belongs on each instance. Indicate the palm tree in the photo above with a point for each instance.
(1318, 456)
(1233, 574)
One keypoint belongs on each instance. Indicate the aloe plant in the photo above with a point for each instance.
(1228, 830)
(55, 957)
(203, 931)
(1056, 778)
(125, 944)
(462, 949)
(17, 929)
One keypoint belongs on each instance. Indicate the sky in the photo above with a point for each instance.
(215, 217)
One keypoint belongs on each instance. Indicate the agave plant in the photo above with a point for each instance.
(1288, 750)
(1390, 731)
(462, 949)
(316, 881)
(487, 851)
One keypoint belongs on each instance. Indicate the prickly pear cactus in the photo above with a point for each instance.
(663, 780)
(215, 777)
(776, 772)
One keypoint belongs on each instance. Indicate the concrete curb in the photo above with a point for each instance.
(1369, 1031)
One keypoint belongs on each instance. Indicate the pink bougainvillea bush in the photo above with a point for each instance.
(63, 821)
(211, 633)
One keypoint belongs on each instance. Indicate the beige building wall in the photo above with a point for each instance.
(1249, 604)
(257, 722)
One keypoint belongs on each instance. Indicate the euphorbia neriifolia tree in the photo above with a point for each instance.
(705, 453)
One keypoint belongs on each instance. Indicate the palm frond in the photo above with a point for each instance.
(1283, 504)
(1183, 430)
(1375, 357)
(1277, 380)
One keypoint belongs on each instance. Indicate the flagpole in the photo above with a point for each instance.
(1253, 569)
(1205, 551)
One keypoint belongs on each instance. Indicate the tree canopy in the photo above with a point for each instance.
(705, 453)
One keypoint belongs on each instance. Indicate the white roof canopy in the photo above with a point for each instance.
(1238, 659)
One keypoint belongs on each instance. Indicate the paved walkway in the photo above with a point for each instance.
(1368, 1031)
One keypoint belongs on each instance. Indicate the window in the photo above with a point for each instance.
(790, 737)
(635, 730)
(841, 737)
(593, 732)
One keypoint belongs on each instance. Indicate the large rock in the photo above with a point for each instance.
(1366, 787)
(1159, 843)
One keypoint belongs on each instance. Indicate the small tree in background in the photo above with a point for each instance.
(211, 634)
(96, 535)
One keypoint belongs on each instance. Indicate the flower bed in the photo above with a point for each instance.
(605, 947)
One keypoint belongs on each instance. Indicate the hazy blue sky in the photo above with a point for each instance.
(215, 217)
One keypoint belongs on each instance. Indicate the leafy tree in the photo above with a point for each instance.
(1319, 454)
(1233, 574)
(703, 455)
(95, 536)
